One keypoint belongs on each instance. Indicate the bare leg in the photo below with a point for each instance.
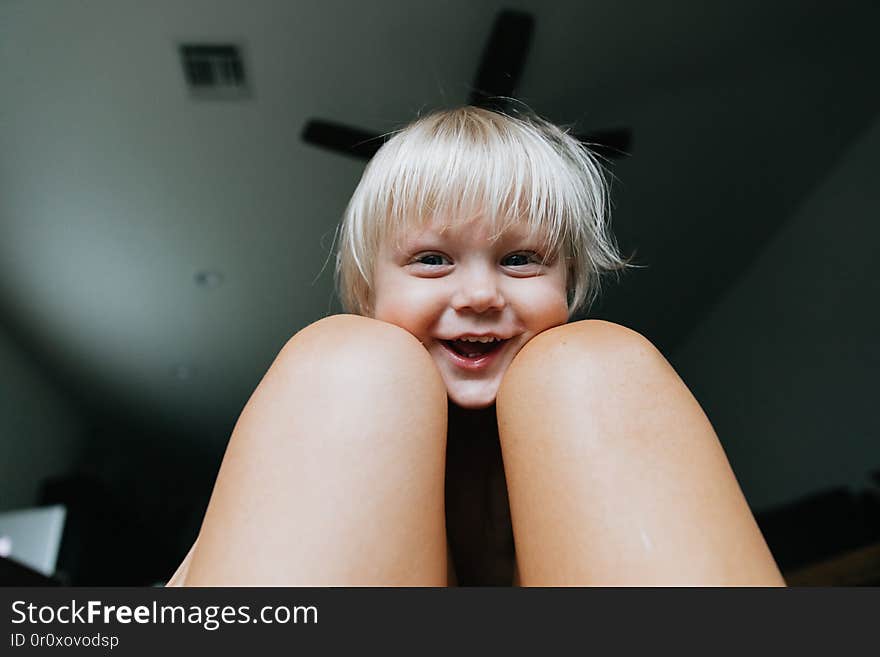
(334, 473)
(615, 475)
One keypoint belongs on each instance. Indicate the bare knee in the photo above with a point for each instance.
(345, 385)
(591, 338)
(592, 363)
(589, 352)
(352, 359)
(352, 337)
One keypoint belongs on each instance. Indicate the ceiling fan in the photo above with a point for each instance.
(500, 70)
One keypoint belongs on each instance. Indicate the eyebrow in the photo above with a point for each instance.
(409, 239)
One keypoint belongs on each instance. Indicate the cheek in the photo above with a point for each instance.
(547, 306)
(409, 306)
(556, 313)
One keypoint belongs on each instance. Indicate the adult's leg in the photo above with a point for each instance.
(334, 474)
(615, 475)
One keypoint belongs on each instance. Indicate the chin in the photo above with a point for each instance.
(472, 401)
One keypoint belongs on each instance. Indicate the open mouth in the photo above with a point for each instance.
(473, 349)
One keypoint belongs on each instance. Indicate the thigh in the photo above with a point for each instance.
(178, 579)
(334, 471)
(615, 474)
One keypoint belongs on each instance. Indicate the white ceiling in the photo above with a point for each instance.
(117, 187)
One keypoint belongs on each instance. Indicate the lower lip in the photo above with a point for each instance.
(473, 364)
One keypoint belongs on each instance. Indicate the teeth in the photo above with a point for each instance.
(484, 340)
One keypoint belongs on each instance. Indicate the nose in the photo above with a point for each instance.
(478, 291)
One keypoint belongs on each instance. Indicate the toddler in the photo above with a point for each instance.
(365, 455)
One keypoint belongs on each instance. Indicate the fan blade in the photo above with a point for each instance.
(503, 59)
(342, 139)
(611, 144)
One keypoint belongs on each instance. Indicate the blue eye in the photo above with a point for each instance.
(520, 259)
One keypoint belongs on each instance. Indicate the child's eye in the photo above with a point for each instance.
(521, 259)
(431, 259)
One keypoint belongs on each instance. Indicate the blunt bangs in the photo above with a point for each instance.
(456, 166)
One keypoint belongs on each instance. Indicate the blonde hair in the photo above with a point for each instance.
(470, 162)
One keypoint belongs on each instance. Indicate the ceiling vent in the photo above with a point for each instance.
(214, 70)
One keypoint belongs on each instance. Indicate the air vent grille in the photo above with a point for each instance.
(214, 70)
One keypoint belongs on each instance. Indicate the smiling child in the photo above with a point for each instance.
(470, 241)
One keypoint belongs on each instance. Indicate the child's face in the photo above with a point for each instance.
(442, 286)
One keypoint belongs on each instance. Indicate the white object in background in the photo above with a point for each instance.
(33, 536)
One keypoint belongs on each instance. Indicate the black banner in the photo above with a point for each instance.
(130, 621)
